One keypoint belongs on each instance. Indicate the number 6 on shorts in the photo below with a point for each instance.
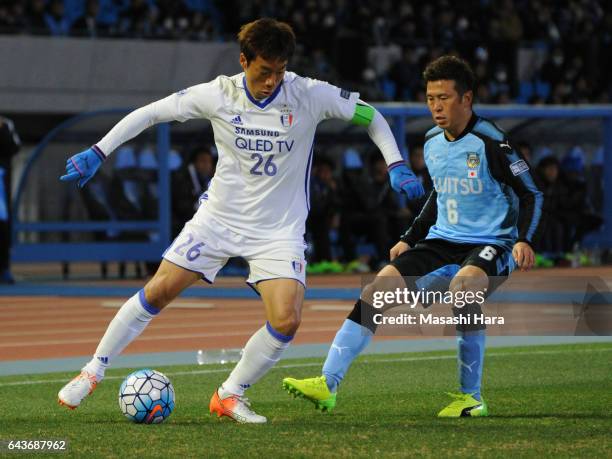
(488, 253)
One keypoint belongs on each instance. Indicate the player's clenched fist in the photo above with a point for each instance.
(403, 179)
(398, 249)
(83, 165)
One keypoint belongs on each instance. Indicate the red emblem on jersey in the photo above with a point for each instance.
(286, 119)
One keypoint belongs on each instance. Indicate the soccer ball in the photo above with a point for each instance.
(146, 396)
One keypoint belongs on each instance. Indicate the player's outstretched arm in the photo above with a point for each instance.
(181, 106)
(401, 177)
(329, 102)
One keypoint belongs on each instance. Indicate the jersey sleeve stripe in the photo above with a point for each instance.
(490, 129)
(307, 178)
(528, 182)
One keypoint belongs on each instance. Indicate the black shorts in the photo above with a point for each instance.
(431, 254)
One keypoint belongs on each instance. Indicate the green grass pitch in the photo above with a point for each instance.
(544, 401)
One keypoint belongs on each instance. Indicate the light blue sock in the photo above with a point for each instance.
(470, 359)
(350, 340)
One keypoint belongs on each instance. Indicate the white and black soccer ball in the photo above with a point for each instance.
(146, 396)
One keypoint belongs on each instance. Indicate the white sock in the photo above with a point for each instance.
(128, 323)
(260, 354)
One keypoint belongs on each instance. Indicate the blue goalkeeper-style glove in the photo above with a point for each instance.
(83, 165)
(403, 179)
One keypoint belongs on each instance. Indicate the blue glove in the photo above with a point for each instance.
(83, 165)
(403, 179)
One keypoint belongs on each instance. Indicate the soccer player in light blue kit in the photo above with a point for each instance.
(478, 222)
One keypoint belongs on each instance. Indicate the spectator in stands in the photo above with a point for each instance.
(138, 18)
(581, 218)
(406, 75)
(556, 195)
(418, 166)
(417, 163)
(57, 22)
(9, 146)
(13, 17)
(36, 17)
(360, 216)
(323, 216)
(172, 20)
(189, 184)
(87, 25)
(524, 148)
(393, 216)
(108, 17)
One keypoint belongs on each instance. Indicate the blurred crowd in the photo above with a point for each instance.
(527, 51)
(148, 19)
(573, 204)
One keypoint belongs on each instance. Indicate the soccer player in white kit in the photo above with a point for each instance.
(264, 121)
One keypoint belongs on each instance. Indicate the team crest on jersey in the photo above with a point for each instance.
(473, 161)
(297, 265)
(286, 119)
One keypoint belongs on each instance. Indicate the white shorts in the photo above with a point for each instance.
(204, 246)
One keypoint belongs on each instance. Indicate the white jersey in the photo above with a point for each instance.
(261, 185)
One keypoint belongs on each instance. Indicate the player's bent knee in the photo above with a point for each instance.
(469, 279)
(382, 283)
(157, 295)
(287, 325)
(167, 283)
(160, 291)
(389, 271)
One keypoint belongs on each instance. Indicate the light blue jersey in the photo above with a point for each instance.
(483, 190)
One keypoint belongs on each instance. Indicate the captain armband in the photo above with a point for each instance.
(364, 114)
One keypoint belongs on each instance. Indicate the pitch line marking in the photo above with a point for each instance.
(318, 364)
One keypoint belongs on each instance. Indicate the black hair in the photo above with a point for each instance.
(451, 68)
(268, 38)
